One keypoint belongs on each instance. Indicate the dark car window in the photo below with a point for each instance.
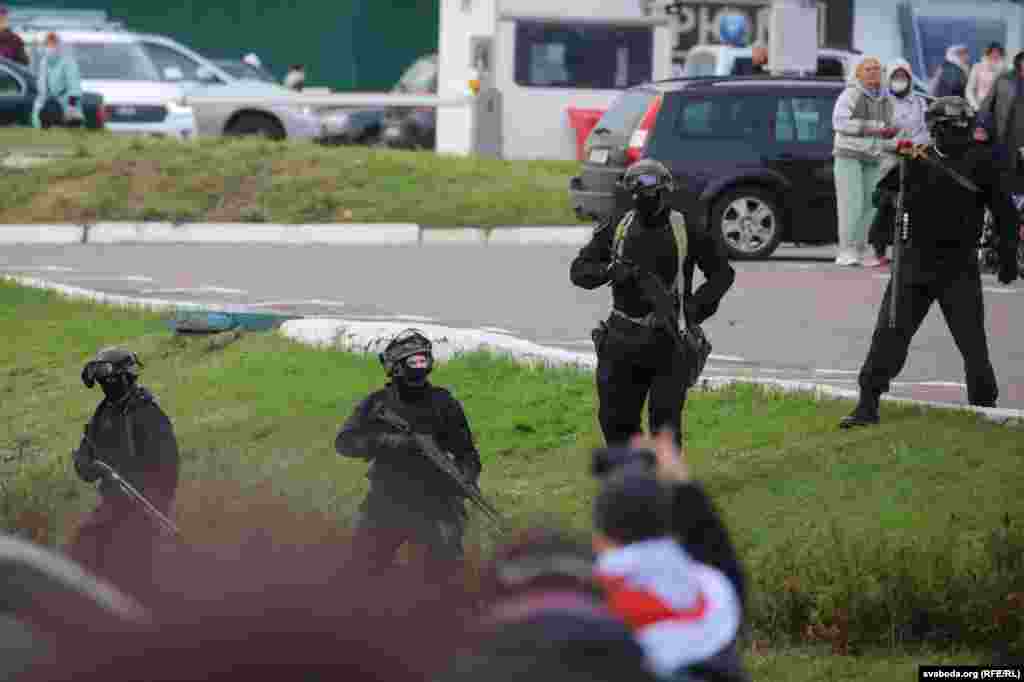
(830, 67)
(740, 116)
(9, 85)
(591, 56)
(804, 120)
(624, 115)
(114, 61)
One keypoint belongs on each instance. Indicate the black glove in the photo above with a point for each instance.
(621, 272)
(1007, 272)
(85, 466)
(690, 313)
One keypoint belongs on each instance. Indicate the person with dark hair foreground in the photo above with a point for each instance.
(667, 566)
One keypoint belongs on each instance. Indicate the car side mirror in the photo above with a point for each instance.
(173, 73)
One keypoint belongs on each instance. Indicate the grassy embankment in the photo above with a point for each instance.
(111, 178)
(890, 544)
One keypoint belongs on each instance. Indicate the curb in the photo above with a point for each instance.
(377, 234)
(358, 336)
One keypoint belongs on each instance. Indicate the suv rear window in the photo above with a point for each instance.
(733, 116)
(114, 61)
(624, 115)
(590, 56)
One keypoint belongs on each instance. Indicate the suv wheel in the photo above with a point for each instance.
(748, 222)
(257, 124)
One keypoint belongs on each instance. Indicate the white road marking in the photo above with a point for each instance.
(191, 290)
(111, 278)
(726, 358)
(837, 371)
(1000, 290)
(496, 330)
(385, 318)
(311, 301)
(937, 384)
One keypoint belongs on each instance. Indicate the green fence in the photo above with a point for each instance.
(344, 44)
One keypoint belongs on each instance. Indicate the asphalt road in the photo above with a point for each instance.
(796, 316)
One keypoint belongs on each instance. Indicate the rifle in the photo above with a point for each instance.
(691, 342)
(154, 514)
(900, 238)
(441, 460)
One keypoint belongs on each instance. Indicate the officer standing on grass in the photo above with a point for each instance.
(130, 434)
(637, 354)
(946, 189)
(410, 498)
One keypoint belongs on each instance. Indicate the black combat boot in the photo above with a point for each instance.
(866, 412)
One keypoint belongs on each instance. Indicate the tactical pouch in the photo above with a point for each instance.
(698, 349)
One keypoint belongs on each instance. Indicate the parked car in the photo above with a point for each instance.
(18, 93)
(752, 157)
(399, 127)
(140, 97)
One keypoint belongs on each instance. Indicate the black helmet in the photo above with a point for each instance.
(647, 182)
(111, 362)
(647, 176)
(406, 344)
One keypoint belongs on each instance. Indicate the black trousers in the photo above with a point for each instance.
(636, 363)
(958, 292)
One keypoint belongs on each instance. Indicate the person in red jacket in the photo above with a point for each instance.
(11, 45)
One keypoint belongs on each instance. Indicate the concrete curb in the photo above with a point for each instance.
(272, 233)
(41, 234)
(370, 337)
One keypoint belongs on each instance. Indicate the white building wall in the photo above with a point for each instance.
(459, 20)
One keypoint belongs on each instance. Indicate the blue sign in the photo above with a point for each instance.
(733, 28)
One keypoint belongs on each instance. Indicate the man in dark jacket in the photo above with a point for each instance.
(1001, 114)
(11, 45)
(636, 354)
(947, 188)
(953, 74)
(132, 435)
(410, 497)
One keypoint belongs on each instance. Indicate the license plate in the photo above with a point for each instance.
(599, 156)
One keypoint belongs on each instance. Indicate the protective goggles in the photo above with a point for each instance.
(97, 371)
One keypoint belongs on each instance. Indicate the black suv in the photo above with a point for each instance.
(752, 156)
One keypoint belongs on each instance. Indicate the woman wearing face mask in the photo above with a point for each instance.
(862, 120)
(60, 88)
(908, 110)
(984, 74)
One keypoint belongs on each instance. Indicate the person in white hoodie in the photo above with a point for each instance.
(862, 120)
(908, 110)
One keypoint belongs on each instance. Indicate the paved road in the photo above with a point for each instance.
(794, 317)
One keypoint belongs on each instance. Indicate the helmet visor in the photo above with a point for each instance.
(98, 371)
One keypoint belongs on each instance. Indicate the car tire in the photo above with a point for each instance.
(257, 124)
(748, 222)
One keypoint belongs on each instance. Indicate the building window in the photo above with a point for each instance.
(586, 56)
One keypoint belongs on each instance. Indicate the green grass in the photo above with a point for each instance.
(108, 177)
(872, 542)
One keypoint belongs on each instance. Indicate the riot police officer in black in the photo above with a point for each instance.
(410, 499)
(947, 187)
(636, 354)
(131, 434)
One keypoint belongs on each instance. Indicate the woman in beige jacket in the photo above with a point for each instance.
(984, 74)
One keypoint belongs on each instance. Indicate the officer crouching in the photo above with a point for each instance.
(945, 190)
(638, 353)
(132, 436)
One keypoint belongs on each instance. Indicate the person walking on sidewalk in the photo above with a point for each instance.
(863, 123)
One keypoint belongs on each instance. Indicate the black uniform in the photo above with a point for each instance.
(636, 358)
(409, 498)
(135, 438)
(940, 264)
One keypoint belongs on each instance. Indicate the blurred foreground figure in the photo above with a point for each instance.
(545, 620)
(411, 499)
(130, 434)
(260, 612)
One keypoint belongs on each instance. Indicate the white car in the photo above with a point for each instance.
(143, 78)
(139, 99)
